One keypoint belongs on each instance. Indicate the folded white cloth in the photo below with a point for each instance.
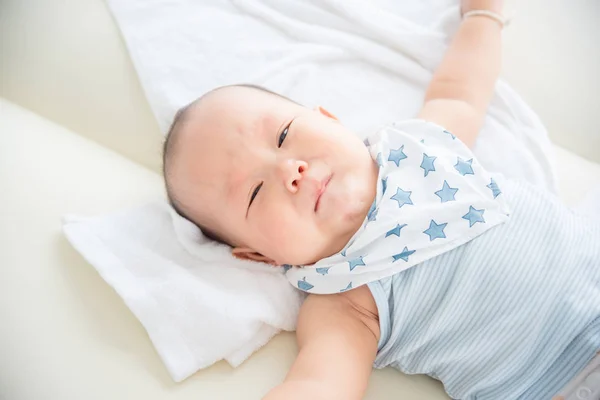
(198, 304)
(368, 61)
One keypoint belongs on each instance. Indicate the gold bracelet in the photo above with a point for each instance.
(486, 13)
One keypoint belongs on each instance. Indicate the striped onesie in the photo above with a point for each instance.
(512, 314)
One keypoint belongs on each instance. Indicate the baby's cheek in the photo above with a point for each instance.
(287, 237)
(276, 227)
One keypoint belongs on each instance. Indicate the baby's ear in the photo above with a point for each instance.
(326, 113)
(246, 253)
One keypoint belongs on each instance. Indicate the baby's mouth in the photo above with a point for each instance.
(321, 190)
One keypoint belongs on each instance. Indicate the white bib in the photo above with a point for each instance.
(432, 196)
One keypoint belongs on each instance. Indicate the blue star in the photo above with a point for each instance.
(347, 247)
(323, 270)
(379, 160)
(347, 287)
(402, 197)
(494, 188)
(286, 268)
(422, 141)
(366, 142)
(395, 231)
(372, 212)
(474, 216)
(384, 185)
(427, 163)
(404, 255)
(446, 193)
(397, 155)
(464, 167)
(357, 262)
(303, 285)
(453, 137)
(435, 231)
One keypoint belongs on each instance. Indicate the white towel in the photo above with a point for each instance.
(198, 304)
(367, 61)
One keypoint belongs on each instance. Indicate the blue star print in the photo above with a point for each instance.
(347, 287)
(395, 231)
(453, 137)
(446, 193)
(384, 185)
(303, 285)
(286, 268)
(474, 216)
(347, 247)
(404, 255)
(402, 197)
(427, 163)
(464, 167)
(372, 212)
(357, 262)
(397, 155)
(435, 231)
(379, 160)
(426, 206)
(494, 188)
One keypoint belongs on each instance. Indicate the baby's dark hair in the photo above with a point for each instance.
(169, 148)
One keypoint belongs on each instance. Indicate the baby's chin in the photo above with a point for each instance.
(345, 221)
(351, 202)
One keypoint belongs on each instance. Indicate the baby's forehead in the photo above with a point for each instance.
(225, 122)
(215, 135)
(230, 121)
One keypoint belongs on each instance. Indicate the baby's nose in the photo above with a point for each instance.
(292, 172)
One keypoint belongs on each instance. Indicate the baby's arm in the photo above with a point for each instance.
(337, 344)
(462, 86)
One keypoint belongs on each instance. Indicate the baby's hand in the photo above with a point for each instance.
(489, 5)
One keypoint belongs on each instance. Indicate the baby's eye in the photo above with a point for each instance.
(283, 135)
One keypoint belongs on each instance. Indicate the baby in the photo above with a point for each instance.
(514, 313)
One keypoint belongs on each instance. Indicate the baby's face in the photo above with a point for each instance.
(284, 183)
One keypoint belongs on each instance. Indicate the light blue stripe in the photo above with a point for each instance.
(513, 314)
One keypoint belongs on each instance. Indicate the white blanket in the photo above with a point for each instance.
(367, 61)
